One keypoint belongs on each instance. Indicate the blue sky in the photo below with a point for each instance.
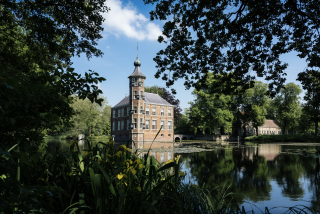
(127, 23)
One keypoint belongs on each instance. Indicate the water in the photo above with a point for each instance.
(262, 175)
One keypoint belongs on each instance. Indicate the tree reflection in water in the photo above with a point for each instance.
(250, 171)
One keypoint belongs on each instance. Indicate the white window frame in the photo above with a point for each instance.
(122, 124)
(135, 109)
(147, 110)
(162, 122)
(154, 128)
(141, 109)
(162, 112)
(119, 125)
(154, 112)
(148, 124)
(170, 126)
(169, 113)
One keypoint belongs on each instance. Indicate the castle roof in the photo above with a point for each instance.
(137, 72)
(150, 98)
(271, 124)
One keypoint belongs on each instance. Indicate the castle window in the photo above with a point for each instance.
(148, 111)
(162, 124)
(147, 124)
(135, 123)
(135, 81)
(162, 112)
(169, 112)
(127, 124)
(135, 109)
(141, 110)
(154, 124)
(122, 124)
(122, 111)
(141, 93)
(169, 125)
(119, 113)
(141, 123)
(154, 111)
(113, 126)
(114, 113)
(128, 109)
(118, 125)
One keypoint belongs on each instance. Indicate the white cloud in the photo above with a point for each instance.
(108, 47)
(125, 20)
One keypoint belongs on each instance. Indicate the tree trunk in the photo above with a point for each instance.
(244, 131)
(257, 131)
(284, 127)
(90, 131)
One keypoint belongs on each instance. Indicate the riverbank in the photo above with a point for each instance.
(67, 137)
(299, 138)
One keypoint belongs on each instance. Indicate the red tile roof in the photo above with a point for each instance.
(271, 124)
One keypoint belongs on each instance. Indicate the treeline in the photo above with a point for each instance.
(213, 112)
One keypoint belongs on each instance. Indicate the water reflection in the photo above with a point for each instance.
(258, 174)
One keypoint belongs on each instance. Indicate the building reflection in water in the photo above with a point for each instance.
(159, 155)
(269, 151)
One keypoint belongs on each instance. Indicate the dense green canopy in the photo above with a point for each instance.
(247, 37)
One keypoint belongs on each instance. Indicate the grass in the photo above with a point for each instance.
(305, 138)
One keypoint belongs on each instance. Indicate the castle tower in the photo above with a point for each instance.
(136, 101)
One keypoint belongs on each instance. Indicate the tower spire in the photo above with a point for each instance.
(137, 62)
(137, 49)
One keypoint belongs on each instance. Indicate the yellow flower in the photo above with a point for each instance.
(70, 173)
(177, 158)
(138, 161)
(129, 150)
(86, 153)
(125, 183)
(139, 189)
(141, 166)
(133, 171)
(164, 179)
(109, 155)
(41, 179)
(120, 176)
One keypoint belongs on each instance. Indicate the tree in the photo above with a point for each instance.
(37, 41)
(211, 109)
(288, 107)
(239, 36)
(91, 117)
(169, 97)
(305, 120)
(310, 81)
(254, 103)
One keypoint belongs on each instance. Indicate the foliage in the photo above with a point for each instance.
(99, 181)
(238, 36)
(285, 138)
(169, 97)
(253, 103)
(310, 80)
(91, 117)
(288, 107)
(38, 39)
(212, 110)
(184, 126)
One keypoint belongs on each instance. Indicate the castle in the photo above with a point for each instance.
(140, 115)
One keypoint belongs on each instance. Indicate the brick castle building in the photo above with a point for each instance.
(140, 115)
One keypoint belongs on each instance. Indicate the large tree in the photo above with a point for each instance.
(247, 37)
(288, 107)
(254, 104)
(37, 41)
(169, 97)
(212, 110)
(310, 81)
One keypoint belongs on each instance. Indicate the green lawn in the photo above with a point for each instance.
(285, 138)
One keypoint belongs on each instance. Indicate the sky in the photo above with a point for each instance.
(127, 23)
